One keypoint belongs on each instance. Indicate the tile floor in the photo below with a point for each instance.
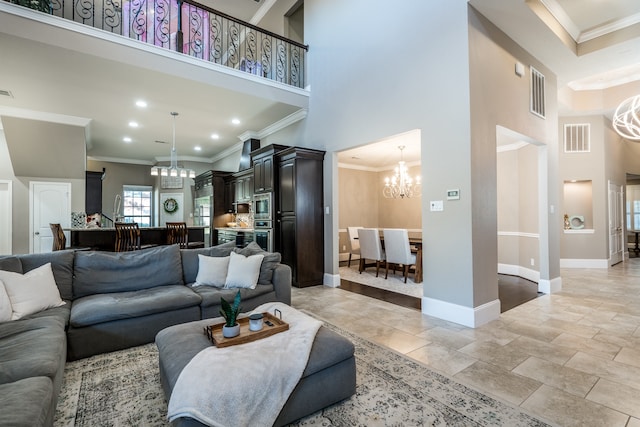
(572, 358)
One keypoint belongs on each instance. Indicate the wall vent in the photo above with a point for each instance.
(6, 93)
(577, 138)
(537, 98)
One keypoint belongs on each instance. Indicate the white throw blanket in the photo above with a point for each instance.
(246, 384)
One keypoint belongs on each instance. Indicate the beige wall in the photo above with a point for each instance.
(361, 203)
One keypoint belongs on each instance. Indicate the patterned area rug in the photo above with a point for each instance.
(395, 282)
(123, 389)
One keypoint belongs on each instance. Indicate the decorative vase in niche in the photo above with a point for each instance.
(231, 331)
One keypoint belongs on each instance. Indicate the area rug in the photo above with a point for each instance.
(394, 283)
(123, 389)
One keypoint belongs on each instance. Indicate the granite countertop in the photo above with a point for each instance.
(235, 229)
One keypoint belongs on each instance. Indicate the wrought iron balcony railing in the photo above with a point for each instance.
(190, 28)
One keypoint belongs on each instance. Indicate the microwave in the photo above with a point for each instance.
(263, 206)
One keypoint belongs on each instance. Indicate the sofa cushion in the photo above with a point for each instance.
(10, 263)
(61, 264)
(31, 292)
(101, 308)
(105, 272)
(25, 402)
(211, 296)
(269, 263)
(190, 259)
(31, 348)
(5, 304)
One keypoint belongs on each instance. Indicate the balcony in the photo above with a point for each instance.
(187, 27)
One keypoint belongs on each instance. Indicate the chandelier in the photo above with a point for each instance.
(401, 185)
(626, 120)
(173, 170)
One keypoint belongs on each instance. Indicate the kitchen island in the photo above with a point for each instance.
(104, 239)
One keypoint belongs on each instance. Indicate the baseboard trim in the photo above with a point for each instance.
(584, 263)
(520, 271)
(331, 280)
(467, 316)
(550, 286)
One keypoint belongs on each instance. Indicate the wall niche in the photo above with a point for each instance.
(578, 206)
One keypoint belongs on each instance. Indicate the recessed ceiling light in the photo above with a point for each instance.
(235, 121)
(197, 148)
(126, 139)
(215, 136)
(142, 104)
(133, 124)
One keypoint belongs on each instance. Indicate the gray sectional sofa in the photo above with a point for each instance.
(113, 301)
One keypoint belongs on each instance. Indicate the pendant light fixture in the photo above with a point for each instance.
(401, 184)
(626, 120)
(173, 170)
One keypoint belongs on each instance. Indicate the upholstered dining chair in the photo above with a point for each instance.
(354, 243)
(370, 248)
(177, 233)
(398, 250)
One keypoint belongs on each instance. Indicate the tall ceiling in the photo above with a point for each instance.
(588, 44)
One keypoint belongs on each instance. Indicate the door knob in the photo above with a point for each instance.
(37, 233)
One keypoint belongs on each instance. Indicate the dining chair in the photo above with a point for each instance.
(398, 250)
(60, 240)
(128, 237)
(370, 248)
(177, 233)
(354, 243)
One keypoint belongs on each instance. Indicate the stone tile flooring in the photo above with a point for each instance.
(572, 357)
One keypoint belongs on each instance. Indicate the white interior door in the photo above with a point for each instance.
(5, 217)
(616, 216)
(49, 202)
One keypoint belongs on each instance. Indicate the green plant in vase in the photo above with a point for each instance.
(230, 313)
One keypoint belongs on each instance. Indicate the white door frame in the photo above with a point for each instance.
(6, 220)
(65, 221)
(616, 221)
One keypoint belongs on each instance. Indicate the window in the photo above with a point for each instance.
(137, 204)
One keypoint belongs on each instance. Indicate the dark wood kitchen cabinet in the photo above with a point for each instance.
(263, 161)
(300, 214)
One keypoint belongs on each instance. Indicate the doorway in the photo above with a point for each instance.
(521, 175)
(49, 202)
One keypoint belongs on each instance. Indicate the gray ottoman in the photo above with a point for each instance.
(330, 375)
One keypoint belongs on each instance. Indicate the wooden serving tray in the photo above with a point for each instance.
(214, 332)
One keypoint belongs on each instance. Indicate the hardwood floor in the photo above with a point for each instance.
(512, 291)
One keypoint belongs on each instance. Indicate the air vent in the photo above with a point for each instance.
(537, 93)
(577, 138)
(6, 93)
(157, 141)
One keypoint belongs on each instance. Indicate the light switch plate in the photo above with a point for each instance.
(453, 194)
(436, 205)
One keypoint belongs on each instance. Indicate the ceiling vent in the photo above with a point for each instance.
(157, 141)
(537, 106)
(577, 138)
(6, 93)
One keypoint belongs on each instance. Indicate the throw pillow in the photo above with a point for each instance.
(212, 271)
(243, 271)
(5, 304)
(269, 263)
(32, 292)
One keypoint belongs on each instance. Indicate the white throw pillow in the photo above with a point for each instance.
(32, 292)
(212, 271)
(243, 271)
(5, 304)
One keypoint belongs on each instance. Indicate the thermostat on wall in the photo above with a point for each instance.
(453, 194)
